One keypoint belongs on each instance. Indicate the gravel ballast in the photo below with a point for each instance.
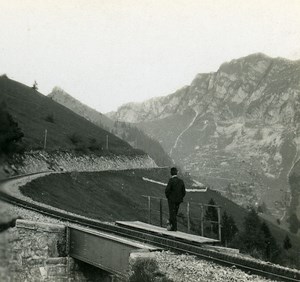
(188, 268)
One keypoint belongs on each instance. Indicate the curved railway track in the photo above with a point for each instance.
(177, 245)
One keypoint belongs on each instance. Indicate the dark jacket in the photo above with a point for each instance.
(175, 190)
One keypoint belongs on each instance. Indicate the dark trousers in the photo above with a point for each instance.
(173, 211)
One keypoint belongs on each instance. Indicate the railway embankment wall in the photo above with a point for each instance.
(36, 251)
(37, 161)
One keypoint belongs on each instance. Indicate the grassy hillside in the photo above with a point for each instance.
(117, 195)
(66, 130)
(127, 132)
(113, 195)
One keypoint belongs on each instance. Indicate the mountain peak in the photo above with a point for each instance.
(59, 92)
(62, 97)
(235, 82)
(245, 116)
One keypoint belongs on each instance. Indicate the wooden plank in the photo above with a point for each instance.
(162, 231)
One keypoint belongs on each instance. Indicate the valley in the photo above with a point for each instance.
(244, 140)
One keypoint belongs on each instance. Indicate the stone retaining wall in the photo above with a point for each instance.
(62, 161)
(37, 252)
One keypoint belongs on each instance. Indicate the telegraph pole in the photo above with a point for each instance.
(107, 142)
(45, 139)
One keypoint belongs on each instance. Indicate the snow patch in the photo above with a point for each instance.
(154, 181)
(201, 187)
(178, 137)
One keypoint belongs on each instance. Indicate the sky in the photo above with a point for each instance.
(109, 52)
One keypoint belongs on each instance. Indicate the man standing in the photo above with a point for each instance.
(175, 192)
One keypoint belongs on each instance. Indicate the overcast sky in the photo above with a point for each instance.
(109, 52)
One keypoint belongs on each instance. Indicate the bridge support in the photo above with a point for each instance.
(35, 251)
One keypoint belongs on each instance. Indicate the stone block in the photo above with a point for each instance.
(13, 268)
(43, 272)
(40, 226)
(73, 266)
(56, 261)
(56, 270)
(58, 279)
(34, 274)
(34, 261)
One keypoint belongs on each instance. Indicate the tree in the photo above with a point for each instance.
(252, 238)
(257, 239)
(271, 249)
(10, 133)
(35, 86)
(287, 242)
(229, 228)
(211, 214)
(294, 223)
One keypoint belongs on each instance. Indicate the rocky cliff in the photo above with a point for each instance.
(237, 129)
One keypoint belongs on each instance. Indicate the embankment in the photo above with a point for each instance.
(37, 161)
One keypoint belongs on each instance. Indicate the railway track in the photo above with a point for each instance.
(177, 245)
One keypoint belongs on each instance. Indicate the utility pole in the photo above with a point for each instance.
(107, 142)
(45, 139)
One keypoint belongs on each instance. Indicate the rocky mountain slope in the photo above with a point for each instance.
(237, 129)
(129, 133)
(60, 96)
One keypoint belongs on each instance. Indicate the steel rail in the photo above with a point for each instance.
(177, 245)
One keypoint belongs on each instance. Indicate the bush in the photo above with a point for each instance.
(49, 118)
(82, 148)
(75, 138)
(146, 270)
(79, 143)
(94, 145)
